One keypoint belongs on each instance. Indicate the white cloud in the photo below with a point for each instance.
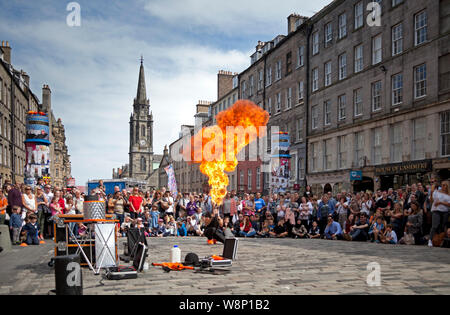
(245, 17)
(93, 73)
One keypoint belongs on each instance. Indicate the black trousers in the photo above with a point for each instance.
(214, 233)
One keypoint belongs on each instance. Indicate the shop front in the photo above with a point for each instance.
(401, 174)
(325, 182)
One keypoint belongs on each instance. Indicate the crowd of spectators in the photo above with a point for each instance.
(414, 215)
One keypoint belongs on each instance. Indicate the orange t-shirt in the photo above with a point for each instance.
(3, 203)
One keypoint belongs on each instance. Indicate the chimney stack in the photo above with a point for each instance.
(295, 20)
(6, 52)
(46, 99)
(224, 83)
(26, 78)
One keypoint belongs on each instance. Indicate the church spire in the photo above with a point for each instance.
(141, 97)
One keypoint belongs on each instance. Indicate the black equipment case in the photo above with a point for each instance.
(129, 272)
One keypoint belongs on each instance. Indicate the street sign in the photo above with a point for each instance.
(356, 175)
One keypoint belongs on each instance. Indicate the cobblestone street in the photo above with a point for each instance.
(264, 266)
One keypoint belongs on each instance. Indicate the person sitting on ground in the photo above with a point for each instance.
(32, 230)
(181, 229)
(359, 232)
(192, 227)
(280, 230)
(349, 223)
(246, 229)
(171, 227)
(161, 231)
(265, 231)
(333, 230)
(389, 236)
(314, 231)
(299, 230)
(446, 241)
(376, 229)
(255, 222)
(126, 225)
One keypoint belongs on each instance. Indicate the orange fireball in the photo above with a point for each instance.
(216, 148)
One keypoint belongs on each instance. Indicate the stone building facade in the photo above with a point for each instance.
(275, 81)
(379, 95)
(16, 100)
(227, 95)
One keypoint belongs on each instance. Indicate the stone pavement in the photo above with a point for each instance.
(263, 267)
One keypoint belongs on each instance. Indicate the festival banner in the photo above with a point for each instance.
(280, 162)
(171, 182)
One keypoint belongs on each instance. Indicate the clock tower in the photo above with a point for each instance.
(141, 133)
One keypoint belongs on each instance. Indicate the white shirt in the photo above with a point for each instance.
(441, 197)
(170, 209)
(30, 202)
(49, 197)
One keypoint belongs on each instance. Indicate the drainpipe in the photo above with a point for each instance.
(308, 51)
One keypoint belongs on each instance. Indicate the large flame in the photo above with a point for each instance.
(215, 160)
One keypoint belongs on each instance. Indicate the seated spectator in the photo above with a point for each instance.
(171, 227)
(397, 219)
(254, 220)
(314, 231)
(446, 241)
(126, 225)
(376, 229)
(359, 232)
(265, 231)
(281, 212)
(192, 227)
(389, 236)
(280, 230)
(32, 230)
(305, 212)
(246, 229)
(349, 223)
(333, 230)
(237, 225)
(299, 230)
(181, 229)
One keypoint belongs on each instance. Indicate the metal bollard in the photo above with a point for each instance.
(68, 275)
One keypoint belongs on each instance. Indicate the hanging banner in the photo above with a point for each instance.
(38, 160)
(38, 128)
(280, 162)
(37, 148)
(171, 182)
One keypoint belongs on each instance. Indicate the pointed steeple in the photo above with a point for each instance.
(141, 97)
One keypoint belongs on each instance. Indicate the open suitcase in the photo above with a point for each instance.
(129, 272)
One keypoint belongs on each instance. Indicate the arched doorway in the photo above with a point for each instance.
(327, 188)
(363, 185)
(444, 174)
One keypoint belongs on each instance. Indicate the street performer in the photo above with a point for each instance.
(213, 228)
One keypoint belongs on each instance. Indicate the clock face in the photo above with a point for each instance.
(142, 142)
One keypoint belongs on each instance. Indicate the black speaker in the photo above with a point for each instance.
(134, 237)
(68, 275)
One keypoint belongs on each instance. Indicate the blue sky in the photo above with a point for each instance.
(93, 69)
